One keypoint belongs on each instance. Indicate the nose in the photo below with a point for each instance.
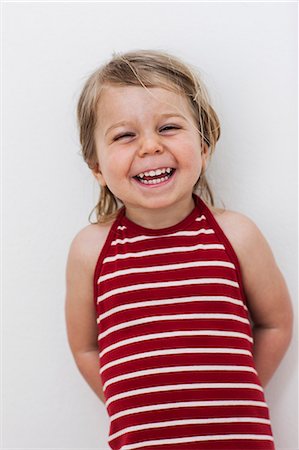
(150, 145)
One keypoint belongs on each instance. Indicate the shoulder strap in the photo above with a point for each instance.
(227, 244)
(109, 238)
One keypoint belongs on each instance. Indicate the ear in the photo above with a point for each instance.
(98, 175)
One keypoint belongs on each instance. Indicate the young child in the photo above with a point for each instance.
(177, 314)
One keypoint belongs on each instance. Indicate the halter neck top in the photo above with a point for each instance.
(175, 342)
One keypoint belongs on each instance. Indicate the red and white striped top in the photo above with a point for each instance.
(175, 341)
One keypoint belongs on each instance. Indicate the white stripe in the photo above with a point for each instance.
(166, 284)
(196, 404)
(185, 265)
(172, 317)
(171, 301)
(177, 387)
(218, 437)
(121, 227)
(174, 423)
(162, 251)
(179, 369)
(144, 237)
(154, 336)
(174, 351)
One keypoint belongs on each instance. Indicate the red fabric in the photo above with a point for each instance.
(175, 342)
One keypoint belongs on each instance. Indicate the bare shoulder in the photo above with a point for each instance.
(239, 228)
(264, 285)
(245, 236)
(249, 243)
(88, 243)
(79, 298)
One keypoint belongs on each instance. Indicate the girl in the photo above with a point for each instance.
(177, 314)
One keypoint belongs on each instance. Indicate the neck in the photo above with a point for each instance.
(156, 218)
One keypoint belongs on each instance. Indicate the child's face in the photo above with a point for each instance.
(133, 135)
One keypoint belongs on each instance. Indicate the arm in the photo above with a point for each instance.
(80, 312)
(267, 296)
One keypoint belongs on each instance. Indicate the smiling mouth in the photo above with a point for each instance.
(156, 179)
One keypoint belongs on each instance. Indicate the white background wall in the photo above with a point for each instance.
(246, 52)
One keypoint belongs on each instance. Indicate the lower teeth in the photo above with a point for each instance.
(156, 181)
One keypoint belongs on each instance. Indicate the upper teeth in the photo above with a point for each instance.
(152, 173)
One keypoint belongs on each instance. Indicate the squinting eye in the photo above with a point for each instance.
(121, 136)
(170, 127)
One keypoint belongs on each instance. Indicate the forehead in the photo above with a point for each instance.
(117, 100)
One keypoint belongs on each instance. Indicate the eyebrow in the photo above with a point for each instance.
(123, 122)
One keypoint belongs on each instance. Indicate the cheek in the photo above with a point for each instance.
(193, 161)
(190, 142)
(115, 164)
(190, 154)
(119, 159)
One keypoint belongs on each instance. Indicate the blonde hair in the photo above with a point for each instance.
(149, 68)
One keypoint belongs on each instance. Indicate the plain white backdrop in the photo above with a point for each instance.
(246, 52)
